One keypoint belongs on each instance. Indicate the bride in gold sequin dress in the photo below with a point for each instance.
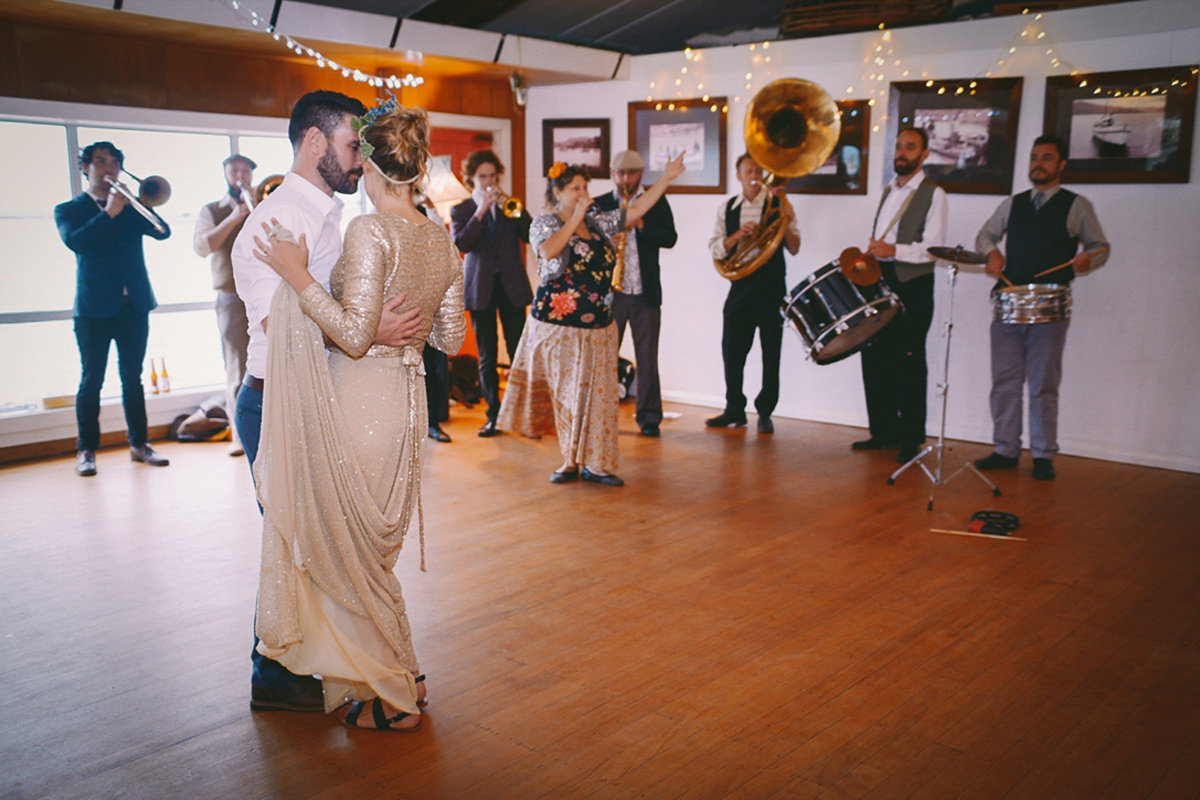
(339, 467)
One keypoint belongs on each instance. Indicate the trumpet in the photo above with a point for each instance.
(511, 207)
(154, 191)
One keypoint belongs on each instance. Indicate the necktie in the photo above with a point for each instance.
(1038, 199)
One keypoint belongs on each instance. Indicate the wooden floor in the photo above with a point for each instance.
(750, 617)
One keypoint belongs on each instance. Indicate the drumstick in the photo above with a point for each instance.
(979, 535)
(1068, 263)
(1004, 278)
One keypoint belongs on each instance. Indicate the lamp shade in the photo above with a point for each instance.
(444, 189)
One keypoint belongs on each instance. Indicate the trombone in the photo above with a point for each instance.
(154, 192)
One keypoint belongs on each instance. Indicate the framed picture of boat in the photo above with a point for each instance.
(1133, 126)
(972, 128)
(660, 130)
(576, 141)
(845, 171)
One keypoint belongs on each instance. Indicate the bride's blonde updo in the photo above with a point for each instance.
(401, 141)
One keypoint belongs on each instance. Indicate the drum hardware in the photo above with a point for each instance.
(1101, 251)
(837, 308)
(791, 128)
(956, 256)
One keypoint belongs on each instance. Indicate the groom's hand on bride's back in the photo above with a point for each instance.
(397, 329)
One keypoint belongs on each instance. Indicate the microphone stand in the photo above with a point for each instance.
(935, 476)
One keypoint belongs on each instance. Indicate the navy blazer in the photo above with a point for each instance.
(658, 231)
(487, 254)
(108, 256)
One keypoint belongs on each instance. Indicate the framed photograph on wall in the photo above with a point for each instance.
(1134, 126)
(660, 130)
(972, 127)
(845, 172)
(576, 141)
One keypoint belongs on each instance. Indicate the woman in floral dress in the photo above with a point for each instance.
(563, 379)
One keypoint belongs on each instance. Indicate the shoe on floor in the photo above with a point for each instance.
(765, 425)
(726, 419)
(996, 461)
(236, 449)
(489, 429)
(873, 444)
(85, 463)
(564, 476)
(437, 434)
(607, 480)
(907, 453)
(1043, 469)
(147, 455)
(649, 429)
(304, 695)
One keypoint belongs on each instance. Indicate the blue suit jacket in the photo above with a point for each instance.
(487, 254)
(108, 256)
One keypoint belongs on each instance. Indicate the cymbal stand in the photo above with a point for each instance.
(938, 450)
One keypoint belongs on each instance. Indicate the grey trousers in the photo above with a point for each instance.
(235, 339)
(646, 321)
(1020, 354)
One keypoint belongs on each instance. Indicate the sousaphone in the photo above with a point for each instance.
(791, 128)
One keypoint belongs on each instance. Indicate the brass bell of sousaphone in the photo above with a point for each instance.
(791, 128)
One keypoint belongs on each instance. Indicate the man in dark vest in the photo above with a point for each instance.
(1044, 227)
(911, 217)
(753, 301)
(113, 299)
(639, 302)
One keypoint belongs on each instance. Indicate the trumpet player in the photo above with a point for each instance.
(753, 301)
(496, 284)
(911, 218)
(217, 225)
(637, 290)
(113, 298)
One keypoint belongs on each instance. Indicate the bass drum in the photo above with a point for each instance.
(836, 317)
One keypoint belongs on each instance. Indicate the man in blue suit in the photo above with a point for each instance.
(495, 281)
(113, 300)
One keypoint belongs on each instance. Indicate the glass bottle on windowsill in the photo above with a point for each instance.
(153, 377)
(164, 382)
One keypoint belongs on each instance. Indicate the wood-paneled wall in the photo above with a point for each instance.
(46, 62)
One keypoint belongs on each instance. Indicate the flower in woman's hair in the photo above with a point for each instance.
(557, 169)
(360, 124)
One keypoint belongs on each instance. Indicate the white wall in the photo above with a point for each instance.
(1131, 389)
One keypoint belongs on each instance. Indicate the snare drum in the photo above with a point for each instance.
(1032, 304)
(834, 316)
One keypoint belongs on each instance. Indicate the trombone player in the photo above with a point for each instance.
(753, 300)
(217, 225)
(495, 282)
(104, 226)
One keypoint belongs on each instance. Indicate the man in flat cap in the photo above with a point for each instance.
(217, 226)
(637, 301)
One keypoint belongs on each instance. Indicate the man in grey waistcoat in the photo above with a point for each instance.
(911, 218)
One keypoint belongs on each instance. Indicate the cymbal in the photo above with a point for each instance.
(957, 255)
(861, 268)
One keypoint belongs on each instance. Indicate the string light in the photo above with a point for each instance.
(258, 21)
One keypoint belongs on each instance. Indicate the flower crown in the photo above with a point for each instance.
(557, 169)
(368, 119)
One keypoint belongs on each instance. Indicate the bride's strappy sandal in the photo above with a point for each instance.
(381, 720)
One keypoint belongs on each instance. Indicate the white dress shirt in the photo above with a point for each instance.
(302, 208)
(934, 234)
(751, 211)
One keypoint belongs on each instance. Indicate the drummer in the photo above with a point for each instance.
(911, 217)
(1045, 228)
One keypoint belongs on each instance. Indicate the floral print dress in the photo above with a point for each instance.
(563, 380)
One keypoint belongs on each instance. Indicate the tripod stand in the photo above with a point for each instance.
(955, 256)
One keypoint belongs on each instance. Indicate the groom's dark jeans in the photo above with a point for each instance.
(248, 419)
